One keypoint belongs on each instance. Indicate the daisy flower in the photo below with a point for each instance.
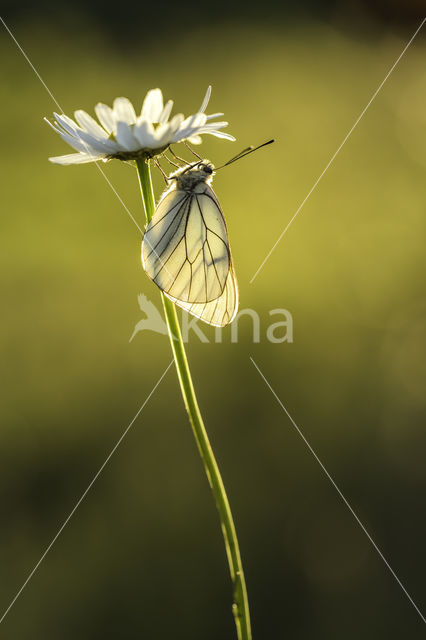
(121, 134)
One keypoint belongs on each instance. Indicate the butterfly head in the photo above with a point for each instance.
(189, 177)
(206, 167)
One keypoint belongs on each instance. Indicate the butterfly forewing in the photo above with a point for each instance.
(185, 248)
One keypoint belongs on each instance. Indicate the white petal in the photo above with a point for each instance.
(67, 123)
(177, 120)
(163, 135)
(55, 129)
(124, 111)
(195, 134)
(72, 139)
(221, 134)
(206, 100)
(214, 115)
(144, 132)
(191, 124)
(106, 117)
(195, 140)
(75, 158)
(197, 120)
(213, 125)
(213, 129)
(99, 146)
(125, 137)
(152, 106)
(90, 125)
(179, 135)
(83, 141)
(75, 143)
(166, 112)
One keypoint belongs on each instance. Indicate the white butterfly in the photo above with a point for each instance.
(185, 249)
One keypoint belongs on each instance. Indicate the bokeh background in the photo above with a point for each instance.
(143, 555)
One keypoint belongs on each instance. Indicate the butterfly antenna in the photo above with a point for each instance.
(244, 152)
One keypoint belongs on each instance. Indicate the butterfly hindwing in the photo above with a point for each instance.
(219, 312)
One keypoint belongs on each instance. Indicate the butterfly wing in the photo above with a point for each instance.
(185, 248)
(219, 312)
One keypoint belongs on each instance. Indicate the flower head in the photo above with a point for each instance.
(121, 134)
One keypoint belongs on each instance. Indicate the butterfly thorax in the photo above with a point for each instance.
(189, 179)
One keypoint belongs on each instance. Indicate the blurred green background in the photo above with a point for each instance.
(143, 555)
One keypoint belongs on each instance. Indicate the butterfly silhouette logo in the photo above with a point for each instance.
(153, 321)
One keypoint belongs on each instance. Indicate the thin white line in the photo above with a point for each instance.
(83, 495)
(60, 108)
(339, 148)
(339, 492)
(118, 196)
(31, 65)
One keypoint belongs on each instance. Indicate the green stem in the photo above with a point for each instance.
(240, 605)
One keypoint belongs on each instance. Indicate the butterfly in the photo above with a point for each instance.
(185, 249)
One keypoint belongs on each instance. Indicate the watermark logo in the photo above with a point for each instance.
(153, 320)
(278, 330)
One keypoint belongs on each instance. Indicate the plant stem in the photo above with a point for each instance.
(240, 607)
